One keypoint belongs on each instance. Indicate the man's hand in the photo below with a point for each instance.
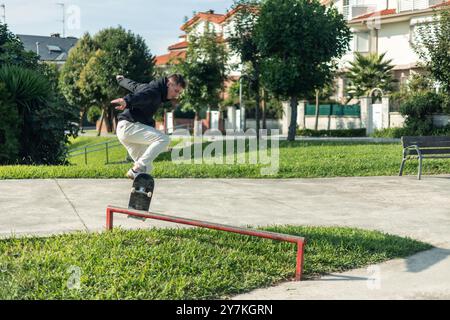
(122, 104)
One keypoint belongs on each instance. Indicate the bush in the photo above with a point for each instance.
(9, 129)
(332, 133)
(418, 109)
(44, 118)
(399, 132)
(94, 114)
(445, 131)
(389, 133)
(446, 103)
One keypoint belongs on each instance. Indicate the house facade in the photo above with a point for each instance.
(384, 26)
(378, 26)
(222, 24)
(195, 25)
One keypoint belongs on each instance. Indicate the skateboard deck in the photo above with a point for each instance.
(141, 192)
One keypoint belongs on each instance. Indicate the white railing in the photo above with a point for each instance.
(356, 8)
(410, 5)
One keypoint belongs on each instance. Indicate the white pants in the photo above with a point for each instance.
(143, 143)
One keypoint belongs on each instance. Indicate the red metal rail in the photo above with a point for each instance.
(300, 241)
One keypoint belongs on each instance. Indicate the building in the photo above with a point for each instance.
(53, 49)
(222, 26)
(384, 26)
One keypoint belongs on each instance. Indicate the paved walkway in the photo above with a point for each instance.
(397, 205)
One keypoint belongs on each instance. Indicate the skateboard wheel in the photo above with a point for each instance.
(133, 190)
(149, 194)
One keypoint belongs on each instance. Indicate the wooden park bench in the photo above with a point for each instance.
(421, 147)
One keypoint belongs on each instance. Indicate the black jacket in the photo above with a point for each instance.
(145, 100)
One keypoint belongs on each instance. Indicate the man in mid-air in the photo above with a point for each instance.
(136, 126)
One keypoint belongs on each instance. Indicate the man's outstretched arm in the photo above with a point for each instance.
(128, 84)
(139, 99)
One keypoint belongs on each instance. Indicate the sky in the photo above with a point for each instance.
(157, 21)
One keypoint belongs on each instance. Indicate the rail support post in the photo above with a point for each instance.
(109, 219)
(300, 260)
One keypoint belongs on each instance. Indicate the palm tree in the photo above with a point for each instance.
(369, 72)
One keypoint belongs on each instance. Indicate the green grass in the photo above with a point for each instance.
(298, 159)
(181, 263)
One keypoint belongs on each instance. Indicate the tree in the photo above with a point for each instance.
(323, 93)
(271, 107)
(298, 41)
(433, 43)
(12, 51)
(243, 42)
(204, 70)
(70, 75)
(417, 109)
(124, 53)
(95, 61)
(369, 72)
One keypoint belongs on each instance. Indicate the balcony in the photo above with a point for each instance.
(354, 8)
(410, 5)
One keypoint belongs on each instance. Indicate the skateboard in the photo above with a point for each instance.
(141, 192)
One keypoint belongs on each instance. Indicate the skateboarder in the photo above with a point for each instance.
(136, 127)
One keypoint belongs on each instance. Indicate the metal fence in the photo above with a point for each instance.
(104, 146)
(334, 110)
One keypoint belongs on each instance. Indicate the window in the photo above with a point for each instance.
(361, 42)
(54, 48)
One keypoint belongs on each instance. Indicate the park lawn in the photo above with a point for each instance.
(181, 263)
(298, 159)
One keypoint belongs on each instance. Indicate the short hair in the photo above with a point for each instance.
(178, 79)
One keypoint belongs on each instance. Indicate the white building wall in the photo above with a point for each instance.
(199, 27)
(234, 60)
(394, 39)
(333, 123)
(228, 26)
(396, 120)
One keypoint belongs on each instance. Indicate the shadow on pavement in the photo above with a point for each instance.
(424, 260)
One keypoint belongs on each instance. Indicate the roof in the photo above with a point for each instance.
(179, 45)
(232, 12)
(211, 17)
(165, 58)
(50, 48)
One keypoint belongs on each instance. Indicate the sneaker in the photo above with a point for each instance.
(131, 174)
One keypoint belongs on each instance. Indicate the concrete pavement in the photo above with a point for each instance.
(398, 205)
